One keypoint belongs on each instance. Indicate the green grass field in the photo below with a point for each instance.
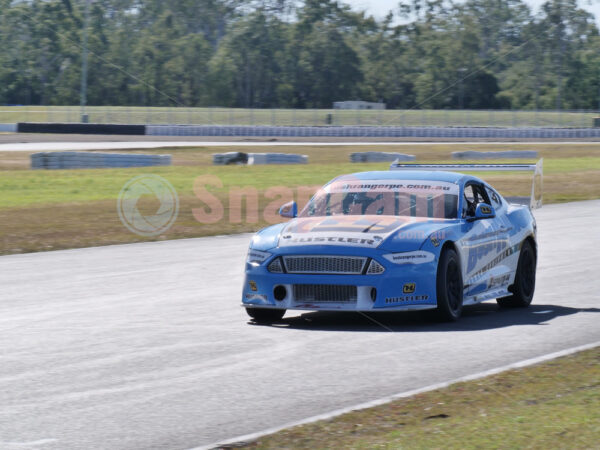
(241, 116)
(46, 210)
(551, 405)
(36, 188)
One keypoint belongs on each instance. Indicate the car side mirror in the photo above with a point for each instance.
(289, 210)
(484, 211)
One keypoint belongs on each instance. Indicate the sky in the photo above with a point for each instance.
(379, 8)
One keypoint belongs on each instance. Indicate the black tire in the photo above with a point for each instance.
(265, 315)
(449, 286)
(524, 285)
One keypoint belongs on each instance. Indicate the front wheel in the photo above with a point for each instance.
(265, 315)
(524, 285)
(449, 287)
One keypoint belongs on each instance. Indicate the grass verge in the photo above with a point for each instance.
(47, 210)
(242, 116)
(550, 405)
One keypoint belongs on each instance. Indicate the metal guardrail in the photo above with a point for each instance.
(322, 131)
(385, 132)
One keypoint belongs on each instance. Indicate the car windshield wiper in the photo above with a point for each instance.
(366, 230)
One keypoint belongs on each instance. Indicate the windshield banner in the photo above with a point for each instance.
(409, 187)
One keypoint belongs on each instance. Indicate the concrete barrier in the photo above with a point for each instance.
(508, 154)
(92, 160)
(8, 127)
(80, 128)
(380, 157)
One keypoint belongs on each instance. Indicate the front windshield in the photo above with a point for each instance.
(416, 198)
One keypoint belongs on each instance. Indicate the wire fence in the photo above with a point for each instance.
(303, 117)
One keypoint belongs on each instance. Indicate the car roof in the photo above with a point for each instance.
(450, 177)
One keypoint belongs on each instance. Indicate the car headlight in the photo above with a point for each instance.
(256, 257)
(417, 257)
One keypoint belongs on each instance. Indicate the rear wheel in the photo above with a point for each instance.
(265, 315)
(449, 287)
(524, 285)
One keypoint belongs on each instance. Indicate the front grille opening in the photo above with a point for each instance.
(375, 268)
(275, 266)
(325, 293)
(324, 264)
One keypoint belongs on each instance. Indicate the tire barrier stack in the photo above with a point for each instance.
(380, 157)
(511, 154)
(276, 158)
(222, 159)
(88, 160)
(225, 159)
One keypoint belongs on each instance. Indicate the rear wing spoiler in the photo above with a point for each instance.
(534, 201)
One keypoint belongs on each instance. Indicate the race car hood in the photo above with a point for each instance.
(360, 231)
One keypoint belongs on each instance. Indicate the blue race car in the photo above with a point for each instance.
(413, 238)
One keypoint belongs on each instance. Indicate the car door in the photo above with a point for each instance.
(502, 272)
(482, 242)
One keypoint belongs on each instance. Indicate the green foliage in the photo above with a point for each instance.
(283, 53)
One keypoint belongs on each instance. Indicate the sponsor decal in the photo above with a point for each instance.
(416, 257)
(346, 224)
(471, 290)
(253, 285)
(486, 209)
(409, 288)
(353, 240)
(505, 254)
(498, 281)
(407, 298)
(481, 251)
(254, 297)
(488, 235)
(386, 185)
(435, 241)
(367, 231)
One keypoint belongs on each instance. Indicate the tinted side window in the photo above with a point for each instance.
(494, 197)
(473, 195)
(468, 201)
(469, 194)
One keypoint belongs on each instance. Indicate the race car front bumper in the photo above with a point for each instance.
(399, 288)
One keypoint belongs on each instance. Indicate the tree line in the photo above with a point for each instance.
(290, 54)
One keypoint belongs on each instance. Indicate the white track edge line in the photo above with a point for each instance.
(390, 398)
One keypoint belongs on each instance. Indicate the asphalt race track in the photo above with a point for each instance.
(138, 145)
(145, 346)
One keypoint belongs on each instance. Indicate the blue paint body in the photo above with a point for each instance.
(488, 250)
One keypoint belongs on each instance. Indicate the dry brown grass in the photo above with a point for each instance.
(571, 173)
(551, 405)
